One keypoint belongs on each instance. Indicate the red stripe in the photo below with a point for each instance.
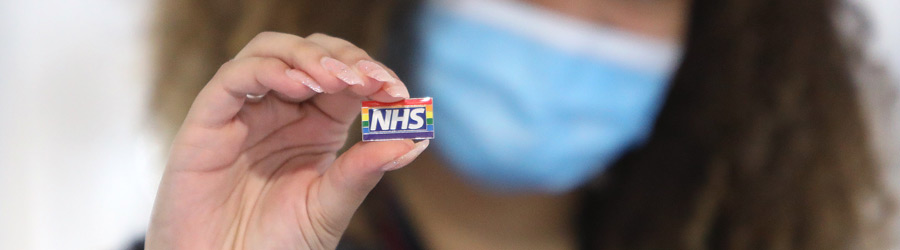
(411, 101)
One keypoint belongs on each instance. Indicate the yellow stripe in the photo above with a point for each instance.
(365, 117)
(429, 114)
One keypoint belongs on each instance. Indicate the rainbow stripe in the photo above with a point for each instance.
(425, 132)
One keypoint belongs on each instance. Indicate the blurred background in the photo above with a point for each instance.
(79, 164)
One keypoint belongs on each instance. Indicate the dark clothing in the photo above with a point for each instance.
(393, 229)
(388, 220)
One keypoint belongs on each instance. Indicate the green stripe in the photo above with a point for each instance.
(365, 124)
(430, 121)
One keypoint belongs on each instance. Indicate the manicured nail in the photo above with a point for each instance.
(341, 71)
(304, 79)
(397, 90)
(375, 71)
(406, 158)
(394, 87)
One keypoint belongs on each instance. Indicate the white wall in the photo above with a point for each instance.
(886, 43)
(885, 49)
(76, 170)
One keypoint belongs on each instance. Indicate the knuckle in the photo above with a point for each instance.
(306, 48)
(266, 34)
(337, 45)
(269, 62)
(350, 51)
(242, 64)
(226, 70)
(230, 65)
(260, 40)
(318, 35)
(341, 43)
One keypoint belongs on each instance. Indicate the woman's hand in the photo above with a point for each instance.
(263, 173)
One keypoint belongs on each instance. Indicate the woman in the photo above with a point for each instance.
(757, 141)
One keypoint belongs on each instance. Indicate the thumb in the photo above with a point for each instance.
(346, 183)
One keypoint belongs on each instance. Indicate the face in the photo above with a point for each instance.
(533, 103)
(663, 19)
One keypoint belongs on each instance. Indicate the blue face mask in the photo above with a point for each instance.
(520, 110)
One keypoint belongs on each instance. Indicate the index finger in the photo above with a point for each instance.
(301, 54)
(222, 98)
(388, 87)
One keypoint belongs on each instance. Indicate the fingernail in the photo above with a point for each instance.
(341, 71)
(406, 158)
(304, 79)
(375, 71)
(398, 90)
(394, 87)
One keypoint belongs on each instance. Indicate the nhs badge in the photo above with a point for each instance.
(407, 119)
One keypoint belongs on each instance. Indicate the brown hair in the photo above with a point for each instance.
(762, 142)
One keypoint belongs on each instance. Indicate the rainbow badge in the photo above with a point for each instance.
(407, 119)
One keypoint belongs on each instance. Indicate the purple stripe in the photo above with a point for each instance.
(399, 136)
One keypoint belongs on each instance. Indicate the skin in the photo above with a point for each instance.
(445, 208)
(265, 174)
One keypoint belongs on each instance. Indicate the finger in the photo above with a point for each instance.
(350, 178)
(304, 55)
(222, 98)
(348, 54)
(378, 77)
(392, 90)
(345, 108)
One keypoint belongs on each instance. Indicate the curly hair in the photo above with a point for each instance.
(762, 142)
